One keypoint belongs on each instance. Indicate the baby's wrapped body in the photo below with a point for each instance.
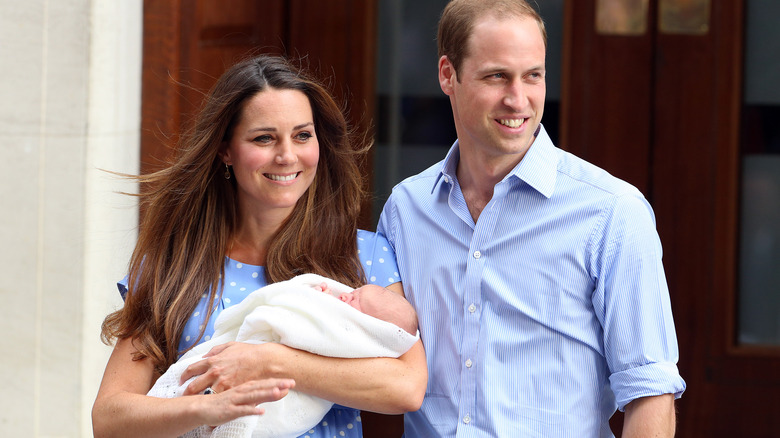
(297, 314)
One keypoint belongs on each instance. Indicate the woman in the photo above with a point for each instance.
(264, 187)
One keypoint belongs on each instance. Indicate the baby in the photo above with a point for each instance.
(295, 313)
(380, 303)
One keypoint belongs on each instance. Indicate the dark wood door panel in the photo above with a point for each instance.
(187, 44)
(606, 96)
(346, 56)
(691, 86)
(217, 34)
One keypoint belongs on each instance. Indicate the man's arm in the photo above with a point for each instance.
(650, 417)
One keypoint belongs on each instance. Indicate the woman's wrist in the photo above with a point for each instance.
(271, 359)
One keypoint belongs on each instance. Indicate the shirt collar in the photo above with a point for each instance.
(448, 167)
(538, 168)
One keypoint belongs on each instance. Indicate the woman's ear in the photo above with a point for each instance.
(224, 154)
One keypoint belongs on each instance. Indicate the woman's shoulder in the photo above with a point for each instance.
(366, 236)
(377, 258)
(369, 241)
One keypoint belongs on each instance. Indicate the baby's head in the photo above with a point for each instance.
(384, 304)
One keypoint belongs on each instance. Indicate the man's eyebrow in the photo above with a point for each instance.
(491, 69)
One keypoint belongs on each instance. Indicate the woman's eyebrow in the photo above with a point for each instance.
(303, 125)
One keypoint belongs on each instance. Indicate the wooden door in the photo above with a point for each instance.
(187, 44)
(662, 110)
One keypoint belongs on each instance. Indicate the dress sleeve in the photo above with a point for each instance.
(378, 259)
(122, 286)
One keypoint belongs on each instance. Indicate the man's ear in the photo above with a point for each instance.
(447, 75)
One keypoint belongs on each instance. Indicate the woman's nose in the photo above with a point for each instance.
(286, 155)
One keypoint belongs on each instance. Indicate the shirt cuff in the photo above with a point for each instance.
(645, 381)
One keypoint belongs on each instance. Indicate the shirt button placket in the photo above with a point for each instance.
(472, 313)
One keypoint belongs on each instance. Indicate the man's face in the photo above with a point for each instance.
(498, 97)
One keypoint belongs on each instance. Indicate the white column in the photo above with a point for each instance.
(69, 104)
(113, 143)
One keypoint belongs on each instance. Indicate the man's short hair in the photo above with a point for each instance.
(458, 19)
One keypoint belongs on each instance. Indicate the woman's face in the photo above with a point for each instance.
(274, 151)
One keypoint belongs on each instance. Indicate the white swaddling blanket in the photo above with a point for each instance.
(292, 313)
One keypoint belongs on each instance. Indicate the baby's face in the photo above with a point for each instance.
(366, 299)
(384, 304)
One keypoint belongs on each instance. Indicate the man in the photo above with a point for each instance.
(537, 277)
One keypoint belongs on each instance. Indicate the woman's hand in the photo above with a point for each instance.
(122, 408)
(221, 407)
(229, 365)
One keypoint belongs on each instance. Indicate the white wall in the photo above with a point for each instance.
(69, 105)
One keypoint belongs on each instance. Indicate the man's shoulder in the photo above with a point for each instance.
(428, 175)
(422, 181)
(582, 173)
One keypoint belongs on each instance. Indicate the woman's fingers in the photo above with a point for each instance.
(218, 349)
(262, 391)
(193, 370)
(230, 365)
(197, 386)
(242, 400)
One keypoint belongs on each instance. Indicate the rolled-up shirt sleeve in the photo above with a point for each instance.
(633, 305)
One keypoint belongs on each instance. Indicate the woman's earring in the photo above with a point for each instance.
(227, 171)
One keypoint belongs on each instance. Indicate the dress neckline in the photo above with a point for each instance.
(234, 261)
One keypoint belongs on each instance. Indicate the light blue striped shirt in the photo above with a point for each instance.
(547, 314)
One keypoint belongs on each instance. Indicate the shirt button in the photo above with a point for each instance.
(467, 419)
(447, 179)
(472, 308)
(468, 363)
(477, 254)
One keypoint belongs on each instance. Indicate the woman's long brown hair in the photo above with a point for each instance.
(191, 214)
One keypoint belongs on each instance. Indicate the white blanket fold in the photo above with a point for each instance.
(292, 313)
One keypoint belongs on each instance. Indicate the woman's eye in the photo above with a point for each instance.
(303, 136)
(262, 139)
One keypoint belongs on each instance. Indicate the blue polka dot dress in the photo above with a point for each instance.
(380, 267)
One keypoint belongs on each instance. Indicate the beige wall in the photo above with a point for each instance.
(69, 105)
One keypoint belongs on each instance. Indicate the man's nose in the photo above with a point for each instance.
(515, 95)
